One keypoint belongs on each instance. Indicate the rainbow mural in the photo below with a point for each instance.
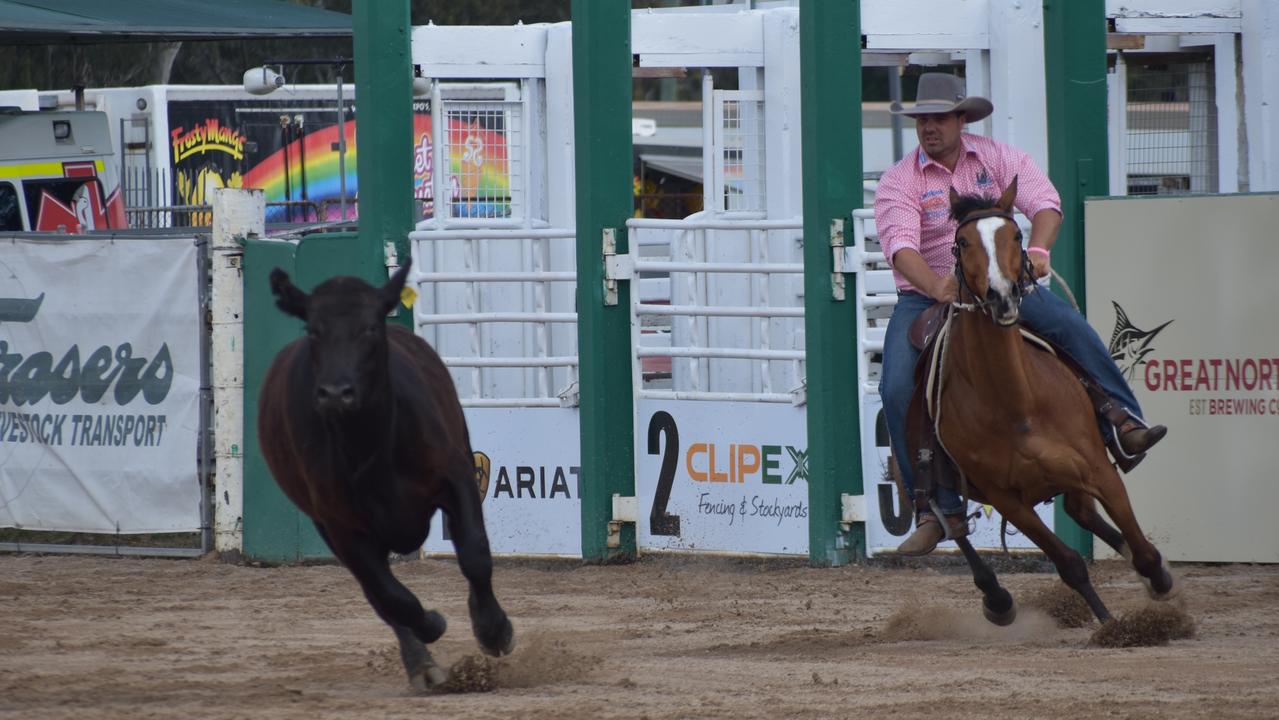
(307, 169)
(220, 144)
(479, 172)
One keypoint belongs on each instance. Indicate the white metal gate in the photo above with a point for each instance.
(721, 447)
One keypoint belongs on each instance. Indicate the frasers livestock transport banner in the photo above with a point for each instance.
(99, 385)
(1184, 292)
(718, 476)
(527, 466)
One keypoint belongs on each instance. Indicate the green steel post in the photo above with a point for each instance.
(602, 117)
(384, 129)
(1075, 62)
(830, 97)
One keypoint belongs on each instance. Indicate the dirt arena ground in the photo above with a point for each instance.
(668, 637)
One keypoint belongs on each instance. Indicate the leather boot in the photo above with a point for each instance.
(928, 532)
(1136, 439)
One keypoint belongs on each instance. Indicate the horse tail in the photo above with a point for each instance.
(1003, 533)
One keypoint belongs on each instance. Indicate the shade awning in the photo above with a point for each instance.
(681, 166)
(52, 22)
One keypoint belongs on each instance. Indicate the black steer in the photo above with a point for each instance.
(361, 427)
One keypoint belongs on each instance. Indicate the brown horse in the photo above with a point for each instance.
(1018, 422)
(361, 427)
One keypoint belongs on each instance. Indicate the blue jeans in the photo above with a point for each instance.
(1041, 311)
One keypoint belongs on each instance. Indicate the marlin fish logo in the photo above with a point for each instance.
(1129, 345)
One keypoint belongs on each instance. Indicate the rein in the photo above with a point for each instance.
(1024, 284)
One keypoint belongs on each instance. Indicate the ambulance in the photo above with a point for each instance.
(58, 172)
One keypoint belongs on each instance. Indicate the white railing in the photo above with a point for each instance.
(536, 289)
(874, 288)
(687, 270)
(665, 267)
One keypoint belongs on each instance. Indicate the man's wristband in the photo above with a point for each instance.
(1042, 251)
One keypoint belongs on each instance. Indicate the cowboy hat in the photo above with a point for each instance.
(943, 93)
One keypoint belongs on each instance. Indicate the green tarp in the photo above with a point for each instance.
(49, 22)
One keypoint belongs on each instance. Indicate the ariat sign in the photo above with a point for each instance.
(99, 385)
(540, 482)
(527, 469)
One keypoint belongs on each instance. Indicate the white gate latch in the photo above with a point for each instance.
(837, 259)
(852, 509)
(616, 267)
(625, 510)
(845, 259)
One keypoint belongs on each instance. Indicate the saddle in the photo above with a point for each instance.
(924, 329)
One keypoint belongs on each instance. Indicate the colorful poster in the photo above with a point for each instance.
(260, 144)
(290, 150)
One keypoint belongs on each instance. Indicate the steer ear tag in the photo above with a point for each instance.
(408, 296)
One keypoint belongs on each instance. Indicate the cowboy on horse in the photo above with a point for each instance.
(917, 232)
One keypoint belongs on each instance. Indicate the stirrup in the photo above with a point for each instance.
(945, 524)
(1116, 415)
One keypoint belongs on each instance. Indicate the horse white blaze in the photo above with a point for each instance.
(998, 282)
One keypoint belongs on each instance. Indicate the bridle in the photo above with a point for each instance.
(1025, 276)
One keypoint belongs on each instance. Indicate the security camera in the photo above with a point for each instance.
(263, 80)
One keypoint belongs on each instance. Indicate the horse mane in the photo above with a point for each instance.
(968, 204)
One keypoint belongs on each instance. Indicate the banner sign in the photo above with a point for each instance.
(722, 476)
(99, 385)
(713, 476)
(528, 468)
(1182, 290)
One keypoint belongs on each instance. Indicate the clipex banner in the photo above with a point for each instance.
(99, 385)
(722, 476)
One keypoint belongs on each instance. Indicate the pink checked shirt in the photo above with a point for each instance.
(912, 204)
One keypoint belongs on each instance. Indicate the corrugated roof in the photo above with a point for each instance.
(50, 22)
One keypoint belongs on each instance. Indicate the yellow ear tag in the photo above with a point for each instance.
(408, 296)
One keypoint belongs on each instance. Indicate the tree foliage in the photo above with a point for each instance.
(53, 67)
(223, 62)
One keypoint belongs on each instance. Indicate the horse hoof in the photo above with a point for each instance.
(435, 675)
(505, 644)
(1001, 619)
(429, 677)
(1172, 590)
